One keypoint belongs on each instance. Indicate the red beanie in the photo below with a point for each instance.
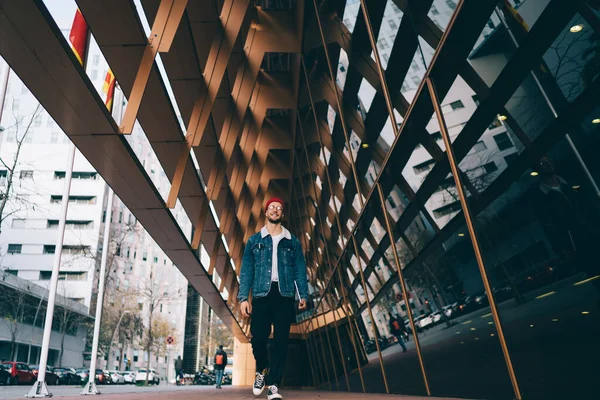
(274, 200)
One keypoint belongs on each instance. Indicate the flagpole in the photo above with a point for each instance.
(90, 387)
(80, 46)
(39, 388)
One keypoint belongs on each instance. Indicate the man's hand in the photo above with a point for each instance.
(302, 305)
(245, 308)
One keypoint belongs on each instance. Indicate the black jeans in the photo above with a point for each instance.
(279, 311)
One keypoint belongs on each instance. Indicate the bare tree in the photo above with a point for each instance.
(10, 201)
(68, 321)
(14, 307)
(152, 294)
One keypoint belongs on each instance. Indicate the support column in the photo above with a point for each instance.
(244, 366)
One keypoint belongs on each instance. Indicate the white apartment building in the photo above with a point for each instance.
(29, 226)
(30, 219)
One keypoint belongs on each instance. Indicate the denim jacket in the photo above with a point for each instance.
(257, 264)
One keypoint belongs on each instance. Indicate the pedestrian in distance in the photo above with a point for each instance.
(220, 362)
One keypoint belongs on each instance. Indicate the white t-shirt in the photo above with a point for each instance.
(274, 269)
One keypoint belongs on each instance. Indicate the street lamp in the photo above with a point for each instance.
(115, 332)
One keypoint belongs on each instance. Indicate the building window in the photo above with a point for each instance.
(49, 249)
(74, 199)
(392, 24)
(382, 44)
(3, 175)
(155, 259)
(451, 4)
(96, 59)
(14, 248)
(76, 175)
(26, 175)
(120, 216)
(447, 209)
(94, 75)
(145, 256)
(386, 57)
(434, 11)
(457, 105)
(424, 166)
(65, 275)
(73, 224)
(76, 249)
(490, 167)
(503, 141)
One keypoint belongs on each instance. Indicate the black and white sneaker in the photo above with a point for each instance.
(273, 393)
(259, 384)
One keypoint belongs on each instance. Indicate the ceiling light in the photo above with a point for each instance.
(585, 312)
(554, 319)
(576, 28)
(502, 117)
(596, 121)
(576, 187)
(365, 145)
(534, 173)
(461, 234)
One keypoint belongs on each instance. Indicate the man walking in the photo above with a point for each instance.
(273, 267)
(219, 364)
(179, 368)
(398, 328)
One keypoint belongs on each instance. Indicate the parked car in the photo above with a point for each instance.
(153, 377)
(128, 376)
(51, 377)
(83, 373)
(19, 372)
(449, 310)
(101, 376)
(436, 317)
(423, 321)
(503, 293)
(5, 377)
(67, 376)
(115, 378)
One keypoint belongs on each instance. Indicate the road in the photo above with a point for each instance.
(553, 342)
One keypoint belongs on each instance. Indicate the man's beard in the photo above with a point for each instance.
(275, 220)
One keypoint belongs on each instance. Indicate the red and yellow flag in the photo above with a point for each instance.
(109, 89)
(79, 36)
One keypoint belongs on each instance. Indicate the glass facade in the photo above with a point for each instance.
(490, 291)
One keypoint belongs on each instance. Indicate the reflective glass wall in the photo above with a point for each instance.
(447, 196)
